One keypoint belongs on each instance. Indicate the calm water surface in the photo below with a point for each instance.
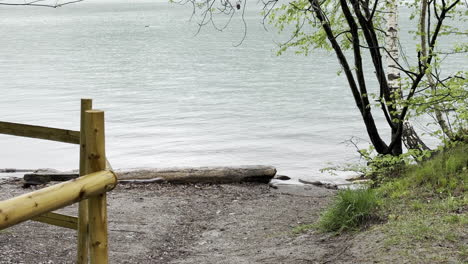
(171, 98)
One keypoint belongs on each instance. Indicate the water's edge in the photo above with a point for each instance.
(341, 179)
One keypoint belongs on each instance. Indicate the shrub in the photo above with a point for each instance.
(350, 210)
(384, 168)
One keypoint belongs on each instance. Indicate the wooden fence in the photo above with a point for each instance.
(96, 178)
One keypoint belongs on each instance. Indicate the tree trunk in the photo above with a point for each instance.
(397, 147)
(423, 35)
(409, 135)
(393, 73)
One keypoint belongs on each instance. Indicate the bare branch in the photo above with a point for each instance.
(39, 3)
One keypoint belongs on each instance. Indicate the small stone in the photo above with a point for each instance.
(282, 177)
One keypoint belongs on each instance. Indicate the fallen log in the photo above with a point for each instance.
(321, 184)
(255, 173)
(44, 178)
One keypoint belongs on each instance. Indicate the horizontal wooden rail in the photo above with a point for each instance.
(58, 220)
(30, 205)
(48, 133)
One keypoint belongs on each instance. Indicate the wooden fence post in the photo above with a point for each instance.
(96, 161)
(82, 255)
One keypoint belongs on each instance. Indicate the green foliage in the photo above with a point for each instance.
(442, 173)
(297, 18)
(381, 168)
(350, 210)
(445, 96)
(307, 32)
(456, 16)
(449, 97)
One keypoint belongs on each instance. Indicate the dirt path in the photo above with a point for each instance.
(163, 223)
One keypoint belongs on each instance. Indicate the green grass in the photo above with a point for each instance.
(446, 173)
(425, 210)
(436, 226)
(351, 210)
(428, 205)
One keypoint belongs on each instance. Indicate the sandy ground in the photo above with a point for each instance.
(165, 223)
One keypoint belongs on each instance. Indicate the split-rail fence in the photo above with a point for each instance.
(89, 190)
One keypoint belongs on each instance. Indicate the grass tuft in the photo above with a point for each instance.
(351, 210)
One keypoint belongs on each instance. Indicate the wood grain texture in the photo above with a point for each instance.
(253, 173)
(29, 205)
(97, 205)
(40, 132)
(83, 234)
(55, 219)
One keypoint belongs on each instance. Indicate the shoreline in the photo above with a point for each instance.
(184, 223)
(341, 179)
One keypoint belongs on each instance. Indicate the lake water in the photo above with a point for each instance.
(171, 98)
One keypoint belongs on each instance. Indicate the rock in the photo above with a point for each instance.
(282, 177)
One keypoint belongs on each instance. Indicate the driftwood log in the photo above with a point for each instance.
(43, 178)
(12, 170)
(321, 184)
(255, 173)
